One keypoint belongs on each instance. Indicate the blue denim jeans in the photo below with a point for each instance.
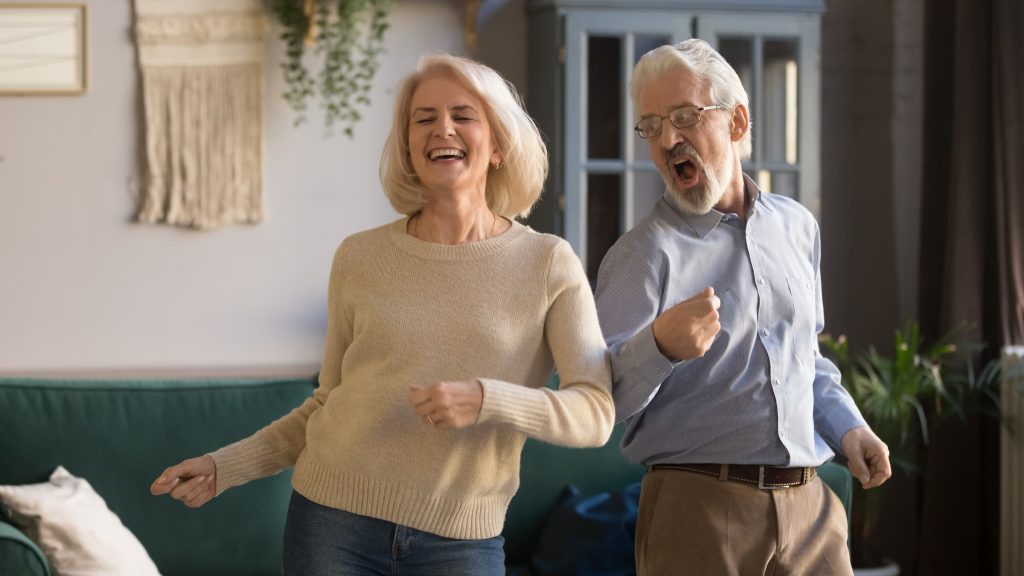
(322, 541)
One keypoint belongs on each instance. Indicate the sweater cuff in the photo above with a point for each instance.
(504, 403)
(241, 462)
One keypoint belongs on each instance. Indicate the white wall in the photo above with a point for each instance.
(85, 290)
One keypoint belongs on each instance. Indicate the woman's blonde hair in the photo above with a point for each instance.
(514, 187)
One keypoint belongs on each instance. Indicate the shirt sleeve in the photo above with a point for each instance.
(629, 298)
(277, 446)
(835, 412)
(580, 413)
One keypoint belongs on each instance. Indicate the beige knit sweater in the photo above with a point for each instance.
(402, 312)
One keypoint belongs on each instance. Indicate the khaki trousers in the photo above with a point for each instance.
(692, 523)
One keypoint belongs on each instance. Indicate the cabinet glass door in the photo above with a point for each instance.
(777, 61)
(610, 181)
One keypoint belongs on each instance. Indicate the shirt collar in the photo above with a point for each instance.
(703, 224)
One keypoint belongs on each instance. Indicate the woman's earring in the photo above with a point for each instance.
(497, 164)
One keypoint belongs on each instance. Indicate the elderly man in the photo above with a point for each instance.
(711, 306)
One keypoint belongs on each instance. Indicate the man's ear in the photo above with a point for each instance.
(740, 122)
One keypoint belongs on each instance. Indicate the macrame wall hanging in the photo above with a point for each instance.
(202, 83)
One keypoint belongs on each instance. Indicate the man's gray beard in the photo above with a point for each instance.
(701, 198)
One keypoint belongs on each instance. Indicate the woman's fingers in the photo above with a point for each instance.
(192, 482)
(448, 405)
(170, 478)
(201, 495)
(186, 488)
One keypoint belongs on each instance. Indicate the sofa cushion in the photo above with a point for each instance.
(122, 434)
(73, 526)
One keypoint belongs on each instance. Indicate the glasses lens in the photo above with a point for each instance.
(684, 117)
(648, 127)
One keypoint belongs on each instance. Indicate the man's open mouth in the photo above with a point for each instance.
(686, 171)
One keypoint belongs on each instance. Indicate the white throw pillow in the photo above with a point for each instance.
(73, 527)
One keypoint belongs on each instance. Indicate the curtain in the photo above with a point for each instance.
(972, 252)
(1008, 112)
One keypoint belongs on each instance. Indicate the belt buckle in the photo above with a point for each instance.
(760, 481)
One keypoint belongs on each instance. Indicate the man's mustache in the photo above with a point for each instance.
(683, 149)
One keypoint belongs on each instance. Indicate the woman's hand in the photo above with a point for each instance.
(449, 405)
(193, 481)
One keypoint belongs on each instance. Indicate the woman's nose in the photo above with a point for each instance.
(445, 127)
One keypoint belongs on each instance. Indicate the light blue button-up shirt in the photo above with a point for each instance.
(762, 394)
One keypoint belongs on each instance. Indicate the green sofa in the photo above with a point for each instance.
(120, 435)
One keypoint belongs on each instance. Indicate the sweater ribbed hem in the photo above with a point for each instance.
(457, 252)
(460, 517)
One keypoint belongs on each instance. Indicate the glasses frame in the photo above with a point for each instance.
(699, 113)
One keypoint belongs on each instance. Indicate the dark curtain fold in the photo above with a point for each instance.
(971, 253)
(1008, 115)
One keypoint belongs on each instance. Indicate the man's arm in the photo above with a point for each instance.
(836, 416)
(644, 344)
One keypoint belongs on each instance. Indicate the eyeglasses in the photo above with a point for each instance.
(682, 117)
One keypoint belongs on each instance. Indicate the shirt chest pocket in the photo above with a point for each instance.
(805, 317)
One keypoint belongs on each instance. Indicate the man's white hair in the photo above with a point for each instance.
(697, 56)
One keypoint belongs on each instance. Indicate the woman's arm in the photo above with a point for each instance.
(581, 412)
(277, 445)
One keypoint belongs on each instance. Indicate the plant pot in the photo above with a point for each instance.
(890, 568)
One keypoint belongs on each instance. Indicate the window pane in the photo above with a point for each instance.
(648, 187)
(739, 52)
(642, 44)
(784, 183)
(604, 97)
(780, 101)
(603, 214)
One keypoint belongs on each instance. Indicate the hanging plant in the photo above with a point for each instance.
(348, 35)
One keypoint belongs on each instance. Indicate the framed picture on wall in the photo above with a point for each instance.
(42, 49)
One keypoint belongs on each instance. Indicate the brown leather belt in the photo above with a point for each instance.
(764, 477)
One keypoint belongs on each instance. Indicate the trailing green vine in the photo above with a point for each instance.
(348, 35)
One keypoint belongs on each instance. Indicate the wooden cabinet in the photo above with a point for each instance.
(581, 55)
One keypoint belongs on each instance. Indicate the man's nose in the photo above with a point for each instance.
(670, 135)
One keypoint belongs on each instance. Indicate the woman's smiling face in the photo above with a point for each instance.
(450, 141)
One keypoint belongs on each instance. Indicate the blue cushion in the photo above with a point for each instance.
(589, 535)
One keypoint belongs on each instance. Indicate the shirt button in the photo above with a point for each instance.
(764, 331)
(778, 381)
(761, 280)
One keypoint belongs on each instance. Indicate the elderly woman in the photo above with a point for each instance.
(443, 328)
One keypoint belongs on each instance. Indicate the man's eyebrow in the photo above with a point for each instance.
(673, 108)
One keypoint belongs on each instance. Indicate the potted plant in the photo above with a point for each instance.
(348, 36)
(903, 395)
